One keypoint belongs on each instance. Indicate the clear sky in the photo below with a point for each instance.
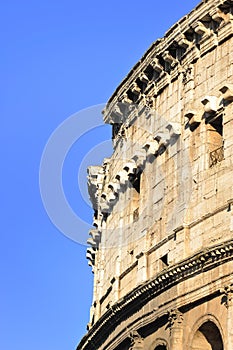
(57, 58)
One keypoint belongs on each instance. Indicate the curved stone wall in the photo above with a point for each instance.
(161, 244)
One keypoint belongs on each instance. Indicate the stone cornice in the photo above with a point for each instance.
(192, 298)
(202, 261)
(190, 38)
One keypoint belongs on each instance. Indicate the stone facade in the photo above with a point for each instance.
(161, 246)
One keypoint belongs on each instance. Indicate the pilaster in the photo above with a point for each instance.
(175, 320)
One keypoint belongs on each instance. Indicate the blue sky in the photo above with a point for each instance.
(57, 58)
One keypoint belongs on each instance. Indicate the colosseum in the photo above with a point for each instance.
(161, 246)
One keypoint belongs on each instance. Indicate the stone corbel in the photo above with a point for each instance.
(156, 65)
(227, 92)
(96, 223)
(151, 147)
(92, 243)
(90, 254)
(139, 158)
(96, 235)
(226, 26)
(217, 15)
(169, 58)
(108, 199)
(193, 117)
(125, 99)
(135, 89)
(210, 104)
(143, 78)
(122, 177)
(226, 16)
(182, 41)
(163, 139)
(130, 167)
(112, 197)
(104, 195)
(114, 186)
(200, 28)
(174, 129)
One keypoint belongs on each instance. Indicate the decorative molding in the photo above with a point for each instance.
(189, 50)
(202, 261)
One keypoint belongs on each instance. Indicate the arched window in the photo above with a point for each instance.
(207, 337)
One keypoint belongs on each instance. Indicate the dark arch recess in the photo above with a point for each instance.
(161, 347)
(207, 337)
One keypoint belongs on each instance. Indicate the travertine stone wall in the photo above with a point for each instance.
(162, 229)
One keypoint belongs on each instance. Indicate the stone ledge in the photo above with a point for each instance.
(204, 260)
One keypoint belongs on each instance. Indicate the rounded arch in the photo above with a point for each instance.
(207, 335)
(161, 347)
(159, 344)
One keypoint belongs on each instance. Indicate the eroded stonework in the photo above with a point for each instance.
(161, 246)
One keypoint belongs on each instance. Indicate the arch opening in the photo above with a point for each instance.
(161, 347)
(207, 337)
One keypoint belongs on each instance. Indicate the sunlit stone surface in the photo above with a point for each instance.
(161, 246)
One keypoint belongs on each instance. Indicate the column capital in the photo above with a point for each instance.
(175, 319)
(227, 292)
(136, 341)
